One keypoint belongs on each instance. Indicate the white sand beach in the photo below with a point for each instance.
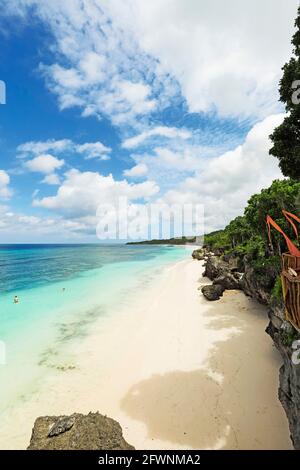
(175, 370)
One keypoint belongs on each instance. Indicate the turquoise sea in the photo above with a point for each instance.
(63, 290)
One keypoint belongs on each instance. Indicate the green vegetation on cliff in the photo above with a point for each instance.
(286, 138)
(246, 237)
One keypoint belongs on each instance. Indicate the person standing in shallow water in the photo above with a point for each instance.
(16, 299)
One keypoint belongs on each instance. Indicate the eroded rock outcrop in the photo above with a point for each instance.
(284, 335)
(223, 273)
(214, 267)
(229, 281)
(212, 292)
(77, 432)
(259, 286)
(198, 254)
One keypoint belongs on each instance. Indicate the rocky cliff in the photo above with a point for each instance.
(230, 272)
(284, 335)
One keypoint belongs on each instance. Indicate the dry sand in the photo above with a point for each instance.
(176, 371)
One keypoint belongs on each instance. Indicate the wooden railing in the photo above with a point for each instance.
(291, 288)
(290, 261)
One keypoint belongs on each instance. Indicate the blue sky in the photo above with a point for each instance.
(169, 102)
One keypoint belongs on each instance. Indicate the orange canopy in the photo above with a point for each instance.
(291, 246)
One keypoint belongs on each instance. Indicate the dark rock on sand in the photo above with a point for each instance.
(61, 426)
(198, 254)
(216, 267)
(223, 273)
(212, 292)
(77, 432)
(229, 281)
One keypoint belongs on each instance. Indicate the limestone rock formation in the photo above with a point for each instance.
(77, 432)
(230, 281)
(198, 254)
(258, 287)
(223, 273)
(284, 336)
(212, 292)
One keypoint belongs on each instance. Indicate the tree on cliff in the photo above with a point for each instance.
(286, 137)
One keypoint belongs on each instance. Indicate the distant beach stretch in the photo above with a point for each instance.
(132, 337)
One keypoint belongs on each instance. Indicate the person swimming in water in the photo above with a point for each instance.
(16, 299)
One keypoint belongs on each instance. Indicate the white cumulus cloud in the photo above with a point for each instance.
(94, 150)
(227, 56)
(46, 164)
(136, 171)
(127, 59)
(82, 192)
(89, 150)
(5, 191)
(225, 183)
(42, 147)
(162, 131)
(98, 64)
(52, 179)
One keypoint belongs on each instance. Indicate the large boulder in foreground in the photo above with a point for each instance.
(213, 292)
(77, 432)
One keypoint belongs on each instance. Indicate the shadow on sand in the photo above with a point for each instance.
(230, 402)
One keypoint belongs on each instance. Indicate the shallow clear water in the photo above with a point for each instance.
(63, 290)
